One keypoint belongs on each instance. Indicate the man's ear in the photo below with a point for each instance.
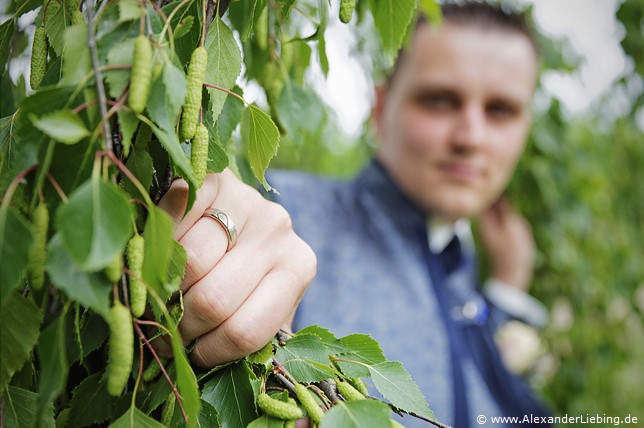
(378, 111)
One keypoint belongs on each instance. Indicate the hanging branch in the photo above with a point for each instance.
(100, 88)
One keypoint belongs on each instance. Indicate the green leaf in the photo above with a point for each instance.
(261, 139)
(323, 333)
(64, 126)
(224, 63)
(53, 363)
(262, 356)
(176, 267)
(96, 223)
(55, 25)
(76, 57)
(186, 381)
(118, 79)
(230, 392)
(93, 333)
(266, 421)
(19, 329)
(128, 123)
(91, 403)
(230, 117)
(431, 9)
(358, 414)
(217, 156)
(134, 418)
(166, 97)
(363, 349)
(245, 15)
(394, 383)
(129, 10)
(208, 417)
(158, 236)
(391, 18)
(306, 357)
(15, 242)
(6, 32)
(140, 164)
(170, 143)
(20, 410)
(91, 289)
(300, 111)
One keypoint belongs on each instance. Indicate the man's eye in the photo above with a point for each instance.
(437, 101)
(501, 110)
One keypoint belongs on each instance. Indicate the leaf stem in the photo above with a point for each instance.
(100, 87)
(228, 91)
(165, 373)
(57, 187)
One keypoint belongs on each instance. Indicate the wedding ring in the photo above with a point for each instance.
(228, 225)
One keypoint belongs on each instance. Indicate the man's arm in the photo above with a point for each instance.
(508, 242)
(236, 300)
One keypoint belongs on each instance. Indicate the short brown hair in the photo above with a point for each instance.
(479, 15)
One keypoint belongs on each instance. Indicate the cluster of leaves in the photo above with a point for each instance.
(81, 167)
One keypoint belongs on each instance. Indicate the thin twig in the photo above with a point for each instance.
(330, 390)
(417, 416)
(165, 373)
(287, 383)
(100, 88)
(282, 337)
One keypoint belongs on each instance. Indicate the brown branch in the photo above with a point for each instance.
(330, 390)
(100, 88)
(417, 416)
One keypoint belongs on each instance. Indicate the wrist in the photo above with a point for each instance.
(515, 302)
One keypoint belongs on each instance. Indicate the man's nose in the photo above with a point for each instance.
(470, 128)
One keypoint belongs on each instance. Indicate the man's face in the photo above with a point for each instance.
(454, 120)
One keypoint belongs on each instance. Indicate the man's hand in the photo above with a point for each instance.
(508, 242)
(236, 300)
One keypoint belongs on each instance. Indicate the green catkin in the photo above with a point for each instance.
(121, 349)
(153, 369)
(349, 392)
(308, 402)
(114, 270)
(38, 251)
(346, 10)
(278, 409)
(168, 410)
(358, 384)
(290, 424)
(141, 74)
(196, 72)
(199, 153)
(138, 292)
(72, 4)
(396, 424)
(38, 58)
(78, 18)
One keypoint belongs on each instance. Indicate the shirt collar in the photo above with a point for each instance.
(440, 233)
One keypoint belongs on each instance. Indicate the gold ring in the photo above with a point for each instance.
(226, 222)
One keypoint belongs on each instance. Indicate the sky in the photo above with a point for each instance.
(592, 31)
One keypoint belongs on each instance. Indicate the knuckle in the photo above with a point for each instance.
(210, 305)
(246, 335)
(197, 266)
(278, 216)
